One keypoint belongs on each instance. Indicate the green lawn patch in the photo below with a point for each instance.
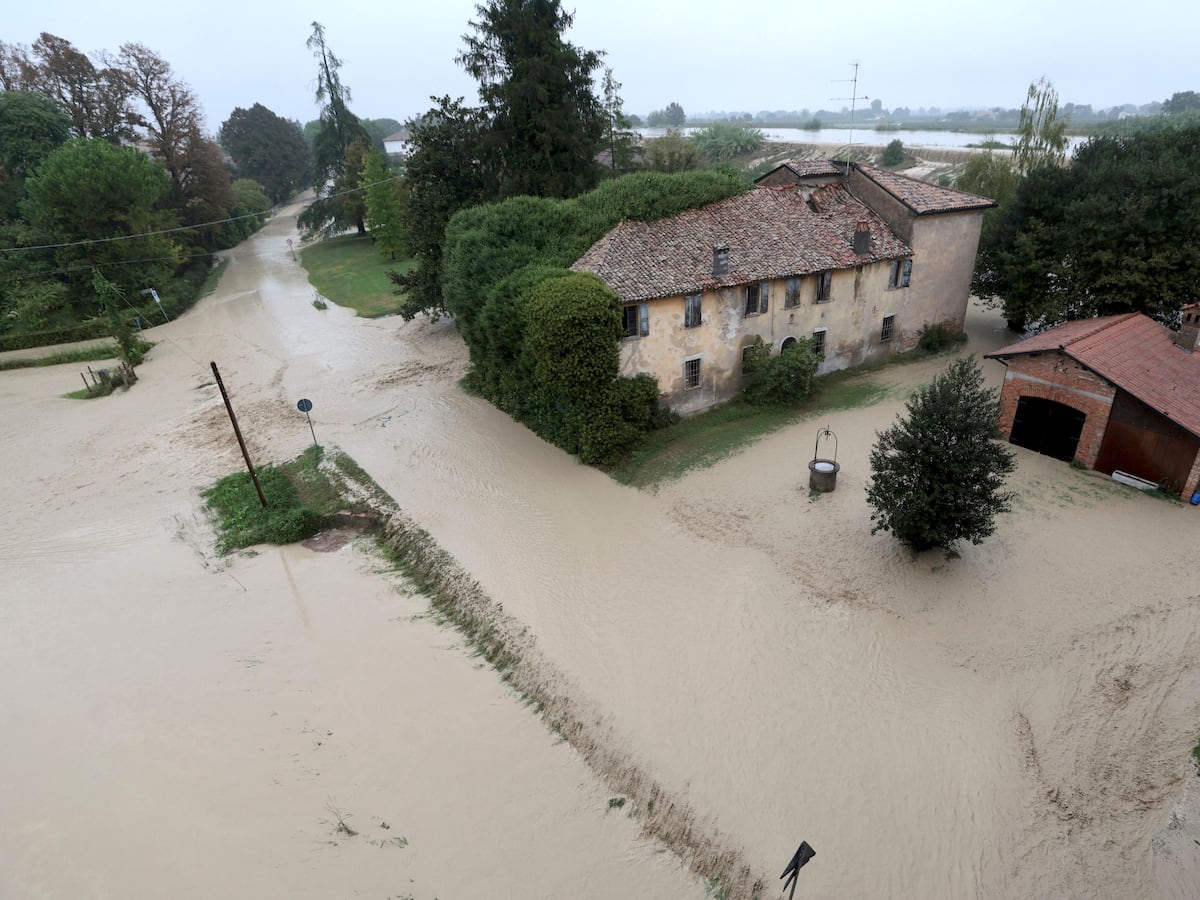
(704, 440)
(78, 355)
(301, 497)
(350, 271)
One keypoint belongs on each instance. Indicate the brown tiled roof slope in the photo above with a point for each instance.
(922, 197)
(770, 232)
(812, 168)
(1134, 353)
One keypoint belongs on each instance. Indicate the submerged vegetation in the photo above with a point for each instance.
(302, 495)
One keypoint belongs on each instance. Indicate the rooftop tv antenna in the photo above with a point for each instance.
(853, 98)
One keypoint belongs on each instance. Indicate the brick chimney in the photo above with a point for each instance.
(1188, 335)
(862, 238)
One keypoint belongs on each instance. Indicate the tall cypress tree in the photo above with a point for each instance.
(546, 123)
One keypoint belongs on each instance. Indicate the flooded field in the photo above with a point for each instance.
(1013, 723)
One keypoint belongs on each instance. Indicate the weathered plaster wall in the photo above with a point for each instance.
(943, 259)
(852, 319)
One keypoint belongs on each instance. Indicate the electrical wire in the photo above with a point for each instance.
(130, 237)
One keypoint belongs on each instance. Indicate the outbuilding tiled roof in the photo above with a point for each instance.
(1134, 353)
(922, 197)
(770, 233)
(811, 168)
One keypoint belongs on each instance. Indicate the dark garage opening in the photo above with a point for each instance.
(1046, 426)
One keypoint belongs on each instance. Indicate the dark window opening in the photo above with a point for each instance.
(791, 296)
(756, 298)
(691, 373)
(818, 343)
(885, 333)
(824, 287)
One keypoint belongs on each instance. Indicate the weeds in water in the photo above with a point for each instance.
(616, 802)
(339, 823)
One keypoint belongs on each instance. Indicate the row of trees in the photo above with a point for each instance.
(104, 164)
(1117, 230)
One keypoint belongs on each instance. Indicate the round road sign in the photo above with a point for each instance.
(304, 405)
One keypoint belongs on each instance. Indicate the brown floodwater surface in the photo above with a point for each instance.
(1016, 722)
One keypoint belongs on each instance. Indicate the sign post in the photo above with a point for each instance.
(802, 855)
(304, 406)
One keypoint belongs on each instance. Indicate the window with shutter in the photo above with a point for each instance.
(644, 317)
(691, 311)
(824, 286)
(791, 296)
(906, 273)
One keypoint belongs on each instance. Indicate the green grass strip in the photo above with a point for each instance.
(350, 271)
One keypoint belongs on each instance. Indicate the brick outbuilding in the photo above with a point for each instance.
(1115, 393)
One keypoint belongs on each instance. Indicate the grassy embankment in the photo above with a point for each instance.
(350, 271)
(704, 440)
(302, 498)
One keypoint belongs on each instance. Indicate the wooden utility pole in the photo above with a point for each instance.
(238, 432)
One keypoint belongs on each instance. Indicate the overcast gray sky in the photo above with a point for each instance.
(747, 56)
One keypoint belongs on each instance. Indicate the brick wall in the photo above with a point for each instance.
(1053, 376)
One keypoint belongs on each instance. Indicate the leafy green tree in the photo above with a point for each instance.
(1180, 102)
(937, 476)
(443, 174)
(1041, 133)
(268, 148)
(670, 117)
(1116, 231)
(545, 124)
(723, 141)
(672, 153)
(784, 379)
(383, 204)
(250, 208)
(893, 153)
(90, 190)
(31, 127)
(95, 99)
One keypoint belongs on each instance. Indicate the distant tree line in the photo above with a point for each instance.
(105, 166)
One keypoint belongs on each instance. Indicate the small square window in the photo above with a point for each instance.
(791, 296)
(824, 287)
(691, 374)
(818, 342)
(885, 333)
(691, 311)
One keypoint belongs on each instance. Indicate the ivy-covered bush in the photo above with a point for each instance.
(544, 340)
(783, 379)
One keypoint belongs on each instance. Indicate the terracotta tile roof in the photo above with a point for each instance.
(770, 232)
(1134, 353)
(922, 197)
(809, 168)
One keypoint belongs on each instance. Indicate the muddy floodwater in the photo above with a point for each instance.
(1016, 722)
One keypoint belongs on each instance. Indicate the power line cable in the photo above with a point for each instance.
(130, 237)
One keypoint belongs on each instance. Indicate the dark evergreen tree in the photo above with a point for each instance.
(545, 121)
(268, 148)
(1116, 231)
(443, 174)
(937, 476)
